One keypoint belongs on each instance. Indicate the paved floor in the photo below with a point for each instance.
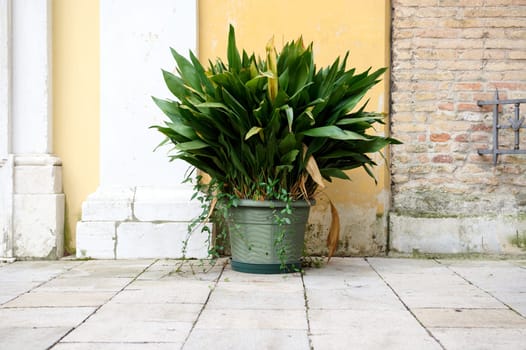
(351, 303)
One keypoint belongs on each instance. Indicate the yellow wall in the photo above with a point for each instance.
(335, 26)
(76, 102)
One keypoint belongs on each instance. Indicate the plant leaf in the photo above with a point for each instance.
(234, 59)
(253, 131)
(334, 132)
(312, 169)
(191, 145)
(334, 231)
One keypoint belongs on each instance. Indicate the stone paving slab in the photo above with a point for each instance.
(504, 280)
(36, 298)
(361, 303)
(470, 318)
(30, 338)
(137, 323)
(368, 329)
(108, 269)
(192, 270)
(42, 317)
(480, 338)
(372, 340)
(363, 298)
(11, 289)
(252, 319)
(118, 346)
(35, 271)
(248, 339)
(168, 291)
(85, 284)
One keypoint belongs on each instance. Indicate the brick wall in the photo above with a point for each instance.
(446, 55)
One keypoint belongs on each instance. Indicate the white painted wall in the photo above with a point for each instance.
(140, 208)
(135, 39)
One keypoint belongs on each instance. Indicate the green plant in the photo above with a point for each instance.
(273, 127)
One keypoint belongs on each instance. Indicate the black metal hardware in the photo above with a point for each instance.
(516, 123)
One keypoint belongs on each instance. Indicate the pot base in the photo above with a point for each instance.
(265, 268)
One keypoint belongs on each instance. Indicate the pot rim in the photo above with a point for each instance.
(274, 203)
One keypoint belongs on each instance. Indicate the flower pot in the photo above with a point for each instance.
(255, 236)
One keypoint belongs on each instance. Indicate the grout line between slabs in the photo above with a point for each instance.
(309, 334)
(405, 305)
(479, 288)
(101, 305)
(42, 283)
(216, 282)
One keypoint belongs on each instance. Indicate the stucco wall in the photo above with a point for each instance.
(76, 103)
(446, 56)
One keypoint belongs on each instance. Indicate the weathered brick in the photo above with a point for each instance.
(435, 53)
(481, 127)
(512, 33)
(418, 3)
(514, 75)
(508, 85)
(503, 66)
(468, 107)
(503, 2)
(462, 138)
(468, 86)
(411, 127)
(420, 169)
(442, 158)
(501, 43)
(482, 54)
(463, 23)
(442, 137)
(478, 137)
(442, 148)
(503, 22)
(456, 3)
(446, 106)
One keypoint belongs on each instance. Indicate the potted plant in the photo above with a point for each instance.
(268, 132)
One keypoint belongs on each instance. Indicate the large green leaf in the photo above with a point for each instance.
(175, 85)
(234, 60)
(187, 71)
(334, 132)
(191, 145)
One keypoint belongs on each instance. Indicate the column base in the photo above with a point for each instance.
(38, 207)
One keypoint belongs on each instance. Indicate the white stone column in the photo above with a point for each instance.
(31, 177)
(6, 160)
(140, 209)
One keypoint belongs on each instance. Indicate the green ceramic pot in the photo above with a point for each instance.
(254, 233)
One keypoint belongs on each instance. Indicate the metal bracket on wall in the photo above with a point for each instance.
(515, 123)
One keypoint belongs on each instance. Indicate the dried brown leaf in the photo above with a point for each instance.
(334, 231)
(313, 170)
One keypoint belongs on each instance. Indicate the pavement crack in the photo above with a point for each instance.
(101, 305)
(478, 287)
(305, 297)
(216, 282)
(41, 284)
(405, 305)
